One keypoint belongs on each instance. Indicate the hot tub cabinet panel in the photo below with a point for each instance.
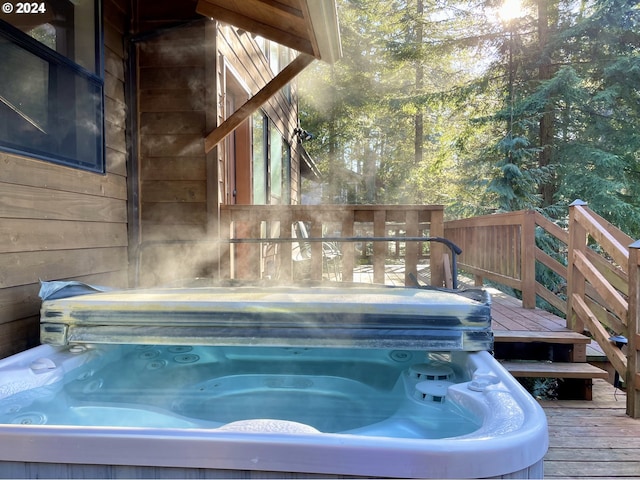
(15, 470)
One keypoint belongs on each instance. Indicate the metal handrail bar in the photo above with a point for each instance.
(455, 249)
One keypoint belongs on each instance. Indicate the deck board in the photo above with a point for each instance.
(508, 315)
(555, 370)
(559, 337)
(588, 439)
(592, 439)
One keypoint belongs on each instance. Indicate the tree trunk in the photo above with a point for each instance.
(546, 126)
(419, 120)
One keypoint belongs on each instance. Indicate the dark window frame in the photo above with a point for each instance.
(61, 66)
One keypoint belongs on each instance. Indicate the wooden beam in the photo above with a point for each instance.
(255, 102)
(411, 248)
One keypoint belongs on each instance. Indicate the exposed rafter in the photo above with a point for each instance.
(245, 111)
(309, 27)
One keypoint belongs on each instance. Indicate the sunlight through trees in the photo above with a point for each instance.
(482, 106)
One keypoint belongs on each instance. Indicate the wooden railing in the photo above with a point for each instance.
(598, 263)
(598, 294)
(498, 248)
(502, 248)
(281, 243)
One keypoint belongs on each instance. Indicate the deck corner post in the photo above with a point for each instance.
(379, 248)
(348, 249)
(633, 352)
(575, 279)
(436, 249)
(528, 259)
(225, 248)
(411, 248)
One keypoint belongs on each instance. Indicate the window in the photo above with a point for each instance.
(278, 57)
(275, 164)
(271, 163)
(286, 172)
(279, 167)
(259, 158)
(51, 87)
(285, 58)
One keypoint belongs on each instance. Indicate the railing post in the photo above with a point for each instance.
(528, 259)
(436, 249)
(633, 354)
(224, 249)
(575, 279)
(379, 248)
(411, 248)
(285, 250)
(348, 248)
(316, 251)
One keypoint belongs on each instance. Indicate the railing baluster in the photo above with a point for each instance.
(411, 248)
(316, 251)
(379, 248)
(348, 249)
(436, 262)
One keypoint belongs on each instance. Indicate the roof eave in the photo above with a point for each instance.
(324, 23)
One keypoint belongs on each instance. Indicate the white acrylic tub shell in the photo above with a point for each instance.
(511, 441)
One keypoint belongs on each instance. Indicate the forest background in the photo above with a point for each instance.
(482, 106)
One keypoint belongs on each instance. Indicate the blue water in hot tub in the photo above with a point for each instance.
(394, 393)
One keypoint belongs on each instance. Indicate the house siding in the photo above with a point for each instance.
(175, 204)
(245, 57)
(61, 223)
(150, 219)
(182, 97)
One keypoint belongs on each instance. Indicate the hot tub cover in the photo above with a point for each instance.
(302, 316)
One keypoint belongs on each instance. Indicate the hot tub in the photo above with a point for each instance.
(374, 381)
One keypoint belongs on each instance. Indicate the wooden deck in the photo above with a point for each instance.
(508, 315)
(587, 439)
(592, 439)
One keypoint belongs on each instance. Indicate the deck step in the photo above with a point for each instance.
(526, 336)
(554, 370)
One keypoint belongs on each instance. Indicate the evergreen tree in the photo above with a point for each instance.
(392, 125)
(574, 115)
(597, 97)
(440, 101)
